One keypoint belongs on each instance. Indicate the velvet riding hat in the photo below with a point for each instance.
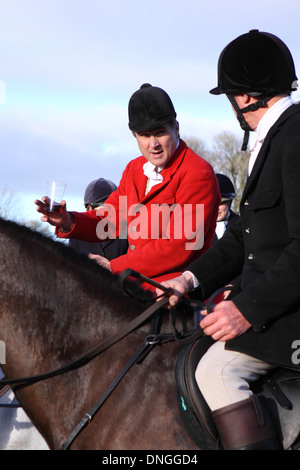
(149, 108)
(98, 191)
(256, 63)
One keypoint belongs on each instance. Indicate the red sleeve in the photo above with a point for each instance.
(84, 227)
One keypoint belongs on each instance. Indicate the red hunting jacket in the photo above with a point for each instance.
(160, 248)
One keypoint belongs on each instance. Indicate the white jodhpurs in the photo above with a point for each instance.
(224, 376)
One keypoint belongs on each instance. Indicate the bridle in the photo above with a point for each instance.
(154, 338)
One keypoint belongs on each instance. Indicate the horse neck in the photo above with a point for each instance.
(52, 305)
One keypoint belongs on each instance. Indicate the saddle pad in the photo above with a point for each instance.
(193, 409)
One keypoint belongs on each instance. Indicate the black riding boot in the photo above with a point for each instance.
(246, 425)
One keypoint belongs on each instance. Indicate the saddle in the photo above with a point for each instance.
(281, 389)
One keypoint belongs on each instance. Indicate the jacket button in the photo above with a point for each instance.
(251, 256)
(132, 247)
(248, 230)
(246, 203)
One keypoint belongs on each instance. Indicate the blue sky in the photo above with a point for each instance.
(69, 67)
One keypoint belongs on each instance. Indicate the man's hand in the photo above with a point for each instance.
(181, 286)
(62, 218)
(104, 262)
(224, 322)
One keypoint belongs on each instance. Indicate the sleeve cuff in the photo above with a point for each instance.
(195, 280)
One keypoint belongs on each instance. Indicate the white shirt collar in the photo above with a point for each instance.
(152, 171)
(153, 175)
(269, 118)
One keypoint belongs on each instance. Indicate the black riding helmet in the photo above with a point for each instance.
(258, 64)
(226, 187)
(149, 108)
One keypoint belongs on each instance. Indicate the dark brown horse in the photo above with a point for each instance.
(54, 306)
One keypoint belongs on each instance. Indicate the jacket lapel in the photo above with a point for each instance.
(139, 183)
(264, 150)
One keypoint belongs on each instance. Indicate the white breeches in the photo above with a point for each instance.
(224, 376)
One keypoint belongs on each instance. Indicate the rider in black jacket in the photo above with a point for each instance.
(256, 328)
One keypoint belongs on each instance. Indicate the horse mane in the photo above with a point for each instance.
(49, 292)
(93, 275)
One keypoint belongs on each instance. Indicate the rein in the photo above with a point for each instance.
(91, 354)
(151, 340)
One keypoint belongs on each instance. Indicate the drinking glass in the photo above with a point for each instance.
(55, 192)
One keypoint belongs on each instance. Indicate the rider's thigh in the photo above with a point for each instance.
(223, 376)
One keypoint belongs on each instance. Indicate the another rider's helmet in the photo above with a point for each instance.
(97, 191)
(258, 64)
(226, 188)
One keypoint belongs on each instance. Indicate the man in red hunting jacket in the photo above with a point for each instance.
(166, 203)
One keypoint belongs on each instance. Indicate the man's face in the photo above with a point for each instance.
(158, 146)
(222, 212)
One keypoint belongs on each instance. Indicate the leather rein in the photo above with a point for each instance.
(150, 341)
